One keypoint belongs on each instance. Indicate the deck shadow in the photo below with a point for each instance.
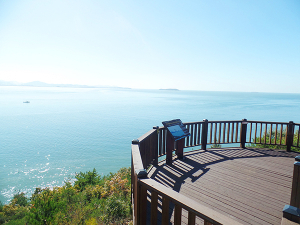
(196, 165)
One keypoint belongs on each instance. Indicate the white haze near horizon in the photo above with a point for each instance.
(250, 46)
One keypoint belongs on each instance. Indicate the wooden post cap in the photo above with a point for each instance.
(292, 213)
(244, 121)
(141, 173)
(297, 158)
(135, 141)
(297, 163)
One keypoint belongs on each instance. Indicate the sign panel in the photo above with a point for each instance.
(177, 129)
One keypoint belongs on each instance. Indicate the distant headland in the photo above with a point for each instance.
(42, 84)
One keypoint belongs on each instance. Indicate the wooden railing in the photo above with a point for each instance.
(147, 149)
(142, 186)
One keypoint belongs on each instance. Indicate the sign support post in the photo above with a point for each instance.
(176, 132)
(169, 148)
(179, 147)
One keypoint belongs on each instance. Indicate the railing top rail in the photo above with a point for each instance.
(141, 138)
(254, 121)
(210, 121)
(298, 124)
(225, 121)
(232, 121)
(215, 121)
(188, 123)
(136, 159)
(189, 204)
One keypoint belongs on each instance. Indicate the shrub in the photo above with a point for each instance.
(21, 199)
(91, 200)
(115, 210)
(85, 179)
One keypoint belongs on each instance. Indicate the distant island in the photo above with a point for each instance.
(169, 89)
(42, 84)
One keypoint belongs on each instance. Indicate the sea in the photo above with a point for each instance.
(64, 131)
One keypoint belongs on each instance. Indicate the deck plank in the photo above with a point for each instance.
(251, 185)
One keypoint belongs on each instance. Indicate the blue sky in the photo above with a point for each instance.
(190, 45)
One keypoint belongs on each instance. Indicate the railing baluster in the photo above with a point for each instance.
(266, 133)
(192, 134)
(177, 214)
(281, 134)
(255, 133)
(236, 132)
(260, 132)
(191, 218)
(250, 133)
(199, 133)
(160, 142)
(228, 132)
(270, 142)
(298, 136)
(220, 127)
(165, 211)
(195, 133)
(188, 138)
(224, 129)
(211, 130)
(276, 134)
(165, 141)
(215, 133)
(286, 132)
(207, 222)
(232, 132)
(154, 200)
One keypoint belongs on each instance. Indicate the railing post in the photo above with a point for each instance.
(179, 150)
(295, 195)
(155, 147)
(140, 200)
(139, 192)
(292, 211)
(142, 204)
(134, 186)
(243, 132)
(290, 136)
(170, 148)
(204, 134)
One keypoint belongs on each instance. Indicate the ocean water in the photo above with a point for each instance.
(67, 130)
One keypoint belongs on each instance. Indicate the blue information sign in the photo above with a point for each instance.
(177, 129)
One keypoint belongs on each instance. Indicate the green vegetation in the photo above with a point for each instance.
(279, 145)
(216, 146)
(91, 200)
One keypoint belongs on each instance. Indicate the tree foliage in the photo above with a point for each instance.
(91, 200)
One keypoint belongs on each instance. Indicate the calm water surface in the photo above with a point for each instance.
(67, 130)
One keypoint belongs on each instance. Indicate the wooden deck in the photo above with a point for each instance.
(250, 185)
